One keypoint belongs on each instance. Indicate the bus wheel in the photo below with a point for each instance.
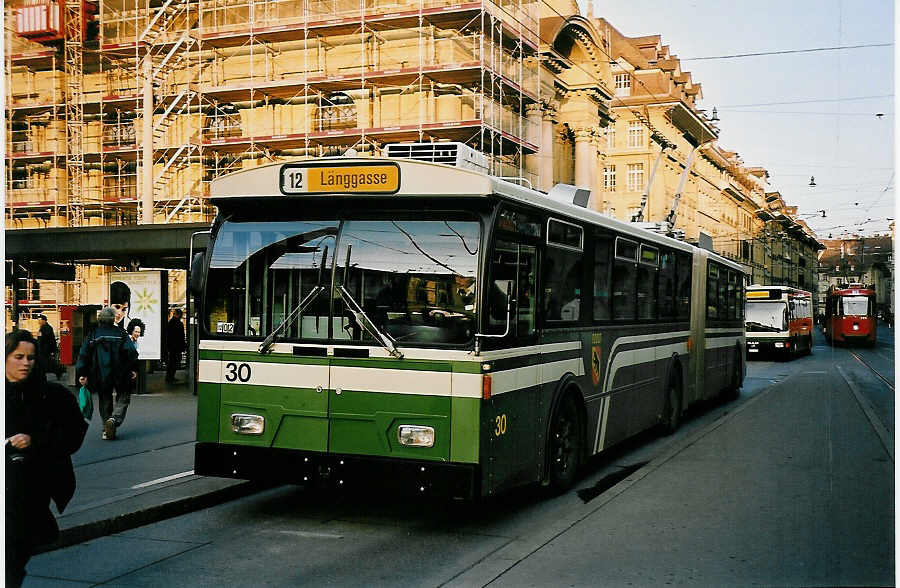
(809, 344)
(672, 414)
(565, 444)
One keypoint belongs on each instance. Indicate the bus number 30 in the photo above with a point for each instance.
(237, 372)
(499, 425)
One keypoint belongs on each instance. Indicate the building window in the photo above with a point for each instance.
(635, 177)
(623, 84)
(610, 137)
(609, 178)
(636, 134)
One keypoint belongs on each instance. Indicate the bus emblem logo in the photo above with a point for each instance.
(595, 365)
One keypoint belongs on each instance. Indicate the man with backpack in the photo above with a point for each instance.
(106, 364)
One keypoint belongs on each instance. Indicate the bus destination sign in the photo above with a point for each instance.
(376, 178)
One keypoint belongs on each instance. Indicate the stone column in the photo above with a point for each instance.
(545, 172)
(533, 134)
(585, 158)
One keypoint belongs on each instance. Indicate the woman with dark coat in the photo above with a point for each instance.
(44, 427)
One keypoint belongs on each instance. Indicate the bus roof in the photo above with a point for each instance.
(419, 178)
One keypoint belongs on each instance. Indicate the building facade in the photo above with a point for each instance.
(120, 114)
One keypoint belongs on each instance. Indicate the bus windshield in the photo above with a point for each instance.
(766, 316)
(413, 279)
(855, 305)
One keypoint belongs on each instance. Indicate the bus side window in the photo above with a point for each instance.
(667, 276)
(723, 293)
(712, 291)
(732, 301)
(512, 263)
(602, 251)
(526, 301)
(647, 276)
(624, 282)
(683, 285)
(504, 268)
(563, 274)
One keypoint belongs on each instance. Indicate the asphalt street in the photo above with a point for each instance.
(791, 485)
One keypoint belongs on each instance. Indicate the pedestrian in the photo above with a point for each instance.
(44, 427)
(120, 301)
(106, 364)
(47, 348)
(136, 330)
(175, 345)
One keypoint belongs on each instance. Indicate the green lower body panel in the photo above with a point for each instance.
(367, 423)
(295, 418)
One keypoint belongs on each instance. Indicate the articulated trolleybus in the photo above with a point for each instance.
(850, 315)
(436, 330)
(779, 320)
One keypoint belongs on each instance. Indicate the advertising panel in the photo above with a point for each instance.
(141, 295)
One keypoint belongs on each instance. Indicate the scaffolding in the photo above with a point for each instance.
(181, 93)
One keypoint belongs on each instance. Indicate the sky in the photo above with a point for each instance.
(798, 115)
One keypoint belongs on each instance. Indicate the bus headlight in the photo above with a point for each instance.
(779, 344)
(248, 424)
(415, 436)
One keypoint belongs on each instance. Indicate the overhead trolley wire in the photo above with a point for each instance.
(786, 52)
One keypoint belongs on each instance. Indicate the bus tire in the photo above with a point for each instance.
(566, 443)
(809, 344)
(672, 412)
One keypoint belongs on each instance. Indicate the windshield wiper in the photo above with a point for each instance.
(313, 294)
(363, 319)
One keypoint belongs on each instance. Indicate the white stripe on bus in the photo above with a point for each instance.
(408, 352)
(515, 379)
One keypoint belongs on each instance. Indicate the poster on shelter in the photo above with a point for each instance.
(139, 295)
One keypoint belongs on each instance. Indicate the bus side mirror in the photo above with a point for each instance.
(196, 271)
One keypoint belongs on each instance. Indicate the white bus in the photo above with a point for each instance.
(437, 330)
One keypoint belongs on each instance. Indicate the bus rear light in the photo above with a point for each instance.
(415, 436)
(248, 424)
(486, 387)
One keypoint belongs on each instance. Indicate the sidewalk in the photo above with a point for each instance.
(146, 473)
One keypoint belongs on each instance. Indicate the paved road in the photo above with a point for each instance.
(790, 485)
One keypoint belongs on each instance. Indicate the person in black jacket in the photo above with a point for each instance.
(47, 348)
(175, 344)
(44, 427)
(107, 362)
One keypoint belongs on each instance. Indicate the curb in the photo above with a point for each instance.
(153, 514)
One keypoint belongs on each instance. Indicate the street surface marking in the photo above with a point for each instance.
(311, 534)
(161, 480)
(883, 435)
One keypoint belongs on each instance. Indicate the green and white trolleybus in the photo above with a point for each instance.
(433, 329)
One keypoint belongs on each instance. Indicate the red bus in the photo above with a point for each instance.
(850, 315)
(778, 319)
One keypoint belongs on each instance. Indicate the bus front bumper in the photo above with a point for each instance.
(336, 472)
(764, 346)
